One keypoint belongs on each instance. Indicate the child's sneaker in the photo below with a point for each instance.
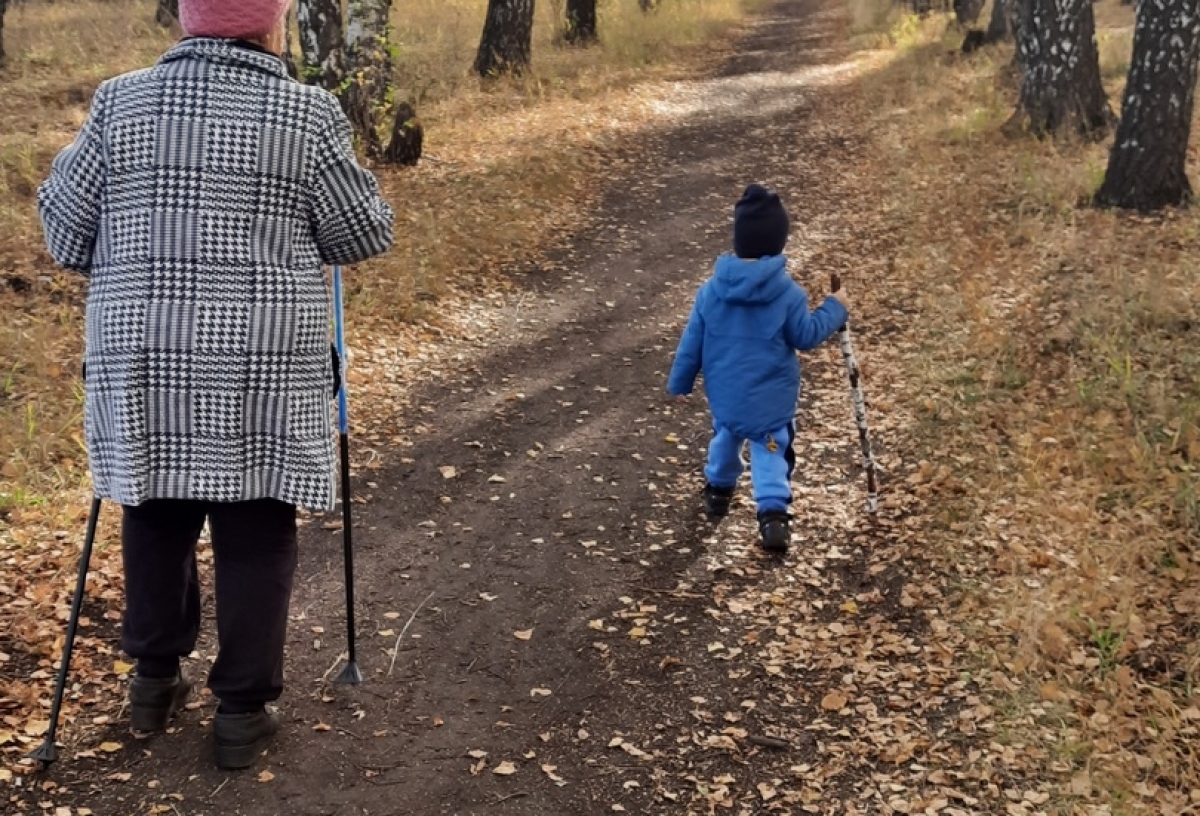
(774, 525)
(716, 500)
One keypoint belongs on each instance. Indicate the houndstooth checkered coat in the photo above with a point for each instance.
(202, 197)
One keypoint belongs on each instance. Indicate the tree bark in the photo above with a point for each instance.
(1060, 84)
(967, 12)
(368, 68)
(1000, 26)
(581, 22)
(3, 8)
(321, 42)
(507, 38)
(923, 8)
(1147, 166)
(167, 13)
(407, 137)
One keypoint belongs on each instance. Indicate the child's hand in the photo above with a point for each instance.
(840, 297)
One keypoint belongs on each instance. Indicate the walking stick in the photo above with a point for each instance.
(48, 752)
(860, 405)
(350, 675)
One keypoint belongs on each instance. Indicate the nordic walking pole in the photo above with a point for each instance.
(350, 675)
(48, 752)
(860, 404)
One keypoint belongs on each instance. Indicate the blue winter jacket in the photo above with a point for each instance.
(748, 321)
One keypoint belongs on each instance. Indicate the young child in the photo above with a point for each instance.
(747, 323)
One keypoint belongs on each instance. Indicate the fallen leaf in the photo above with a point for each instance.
(266, 776)
(505, 769)
(834, 701)
(448, 471)
(523, 634)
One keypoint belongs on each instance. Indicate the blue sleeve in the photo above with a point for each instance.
(688, 355)
(69, 201)
(806, 330)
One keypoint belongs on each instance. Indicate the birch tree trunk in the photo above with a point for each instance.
(966, 12)
(581, 22)
(321, 42)
(1060, 85)
(1000, 26)
(289, 54)
(3, 8)
(507, 38)
(167, 13)
(1147, 167)
(368, 68)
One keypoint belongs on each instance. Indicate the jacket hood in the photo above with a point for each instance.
(741, 281)
(226, 52)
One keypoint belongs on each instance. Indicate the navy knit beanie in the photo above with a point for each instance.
(760, 224)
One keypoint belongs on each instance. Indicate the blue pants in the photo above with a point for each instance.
(770, 470)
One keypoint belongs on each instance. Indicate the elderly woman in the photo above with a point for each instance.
(201, 198)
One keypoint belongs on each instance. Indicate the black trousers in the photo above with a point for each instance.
(254, 550)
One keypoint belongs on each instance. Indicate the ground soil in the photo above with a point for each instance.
(574, 512)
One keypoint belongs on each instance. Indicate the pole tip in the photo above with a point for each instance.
(350, 675)
(45, 754)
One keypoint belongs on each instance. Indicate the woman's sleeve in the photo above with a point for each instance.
(350, 219)
(69, 200)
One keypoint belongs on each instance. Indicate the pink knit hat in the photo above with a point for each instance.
(230, 19)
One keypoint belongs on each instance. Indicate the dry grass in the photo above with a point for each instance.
(512, 164)
(1059, 383)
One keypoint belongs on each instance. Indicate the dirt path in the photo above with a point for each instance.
(657, 651)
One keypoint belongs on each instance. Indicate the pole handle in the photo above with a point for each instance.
(835, 284)
(339, 331)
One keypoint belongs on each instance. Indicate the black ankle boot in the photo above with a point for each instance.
(716, 500)
(240, 738)
(775, 528)
(154, 700)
